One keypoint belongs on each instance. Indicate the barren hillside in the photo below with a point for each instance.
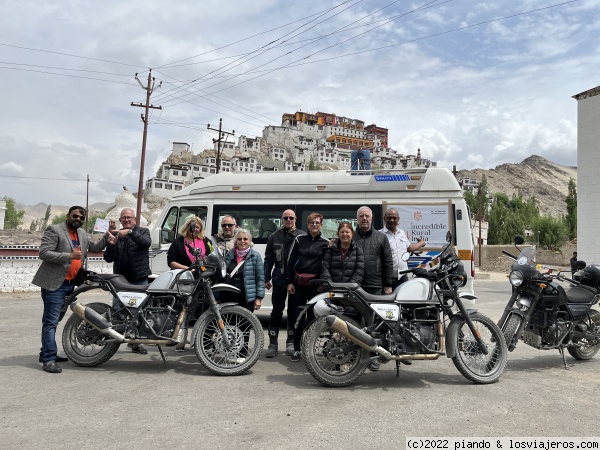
(535, 176)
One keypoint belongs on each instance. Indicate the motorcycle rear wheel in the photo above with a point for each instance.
(510, 327)
(587, 351)
(246, 340)
(83, 344)
(470, 362)
(331, 370)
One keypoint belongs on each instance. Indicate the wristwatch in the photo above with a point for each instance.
(129, 232)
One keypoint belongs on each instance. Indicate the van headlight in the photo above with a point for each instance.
(516, 278)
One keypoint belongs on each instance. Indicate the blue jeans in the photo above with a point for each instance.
(53, 301)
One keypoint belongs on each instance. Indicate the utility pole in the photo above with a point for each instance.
(149, 88)
(222, 134)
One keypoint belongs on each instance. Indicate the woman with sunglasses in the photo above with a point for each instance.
(306, 258)
(181, 252)
(344, 262)
(246, 270)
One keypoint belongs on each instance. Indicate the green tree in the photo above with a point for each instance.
(13, 219)
(44, 222)
(34, 225)
(313, 165)
(59, 219)
(550, 232)
(571, 217)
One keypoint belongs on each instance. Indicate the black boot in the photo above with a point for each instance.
(289, 342)
(273, 335)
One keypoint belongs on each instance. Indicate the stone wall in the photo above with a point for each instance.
(16, 274)
(491, 253)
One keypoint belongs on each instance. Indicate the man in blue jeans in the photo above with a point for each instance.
(64, 246)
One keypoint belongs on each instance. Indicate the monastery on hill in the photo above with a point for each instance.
(303, 141)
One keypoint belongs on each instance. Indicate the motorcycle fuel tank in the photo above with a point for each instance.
(416, 289)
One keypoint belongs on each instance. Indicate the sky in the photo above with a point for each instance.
(472, 84)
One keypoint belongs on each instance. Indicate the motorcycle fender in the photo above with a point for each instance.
(73, 296)
(311, 304)
(224, 287)
(452, 332)
(199, 321)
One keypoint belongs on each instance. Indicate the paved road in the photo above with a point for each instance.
(137, 402)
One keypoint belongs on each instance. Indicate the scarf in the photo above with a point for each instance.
(240, 254)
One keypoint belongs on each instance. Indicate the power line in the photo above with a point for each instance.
(250, 37)
(65, 68)
(66, 75)
(69, 55)
(293, 64)
(58, 179)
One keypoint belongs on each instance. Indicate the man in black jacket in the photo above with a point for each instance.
(277, 253)
(379, 263)
(128, 249)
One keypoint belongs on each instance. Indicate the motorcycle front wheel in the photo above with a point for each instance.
(470, 361)
(328, 367)
(510, 328)
(246, 340)
(83, 344)
(587, 350)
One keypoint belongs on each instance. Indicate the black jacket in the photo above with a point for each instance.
(277, 254)
(178, 254)
(350, 270)
(133, 251)
(306, 256)
(378, 258)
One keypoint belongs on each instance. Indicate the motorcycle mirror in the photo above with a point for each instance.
(580, 265)
(449, 236)
(519, 239)
(405, 256)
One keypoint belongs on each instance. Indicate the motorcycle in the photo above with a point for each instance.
(544, 315)
(415, 322)
(227, 338)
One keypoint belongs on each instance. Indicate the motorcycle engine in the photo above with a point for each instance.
(157, 319)
(418, 332)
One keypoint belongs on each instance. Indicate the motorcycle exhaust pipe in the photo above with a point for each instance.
(105, 327)
(367, 342)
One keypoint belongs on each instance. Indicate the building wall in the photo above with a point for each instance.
(16, 273)
(588, 167)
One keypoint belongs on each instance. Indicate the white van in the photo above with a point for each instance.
(429, 202)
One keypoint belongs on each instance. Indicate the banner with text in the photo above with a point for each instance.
(429, 221)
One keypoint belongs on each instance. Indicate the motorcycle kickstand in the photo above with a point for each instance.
(397, 369)
(162, 354)
(561, 349)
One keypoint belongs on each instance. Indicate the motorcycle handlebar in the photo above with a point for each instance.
(509, 254)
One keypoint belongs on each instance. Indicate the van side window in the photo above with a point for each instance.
(175, 218)
(260, 222)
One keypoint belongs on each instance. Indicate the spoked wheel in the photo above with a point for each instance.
(321, 352)
(587, 350)
(470, 361)
(245, 335)
(83, 344)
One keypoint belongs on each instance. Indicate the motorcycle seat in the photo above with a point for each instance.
(579, 294)
(385, 298)
(121, 284)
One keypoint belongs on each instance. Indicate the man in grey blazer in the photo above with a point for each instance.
(64, 246)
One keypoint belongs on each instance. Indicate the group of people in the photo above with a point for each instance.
(369, 257)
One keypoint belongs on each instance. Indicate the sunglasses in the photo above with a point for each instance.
(288, 218)
(228, 225)
(243, 239)
(77, 216)
(315, 223)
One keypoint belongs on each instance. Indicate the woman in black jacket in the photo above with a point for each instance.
(306, 258)
(344, 262)
(181, 252)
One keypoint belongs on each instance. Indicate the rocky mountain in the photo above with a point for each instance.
(38, 211)
(535, 176)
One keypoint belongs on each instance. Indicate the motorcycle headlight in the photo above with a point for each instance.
(516, 278)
